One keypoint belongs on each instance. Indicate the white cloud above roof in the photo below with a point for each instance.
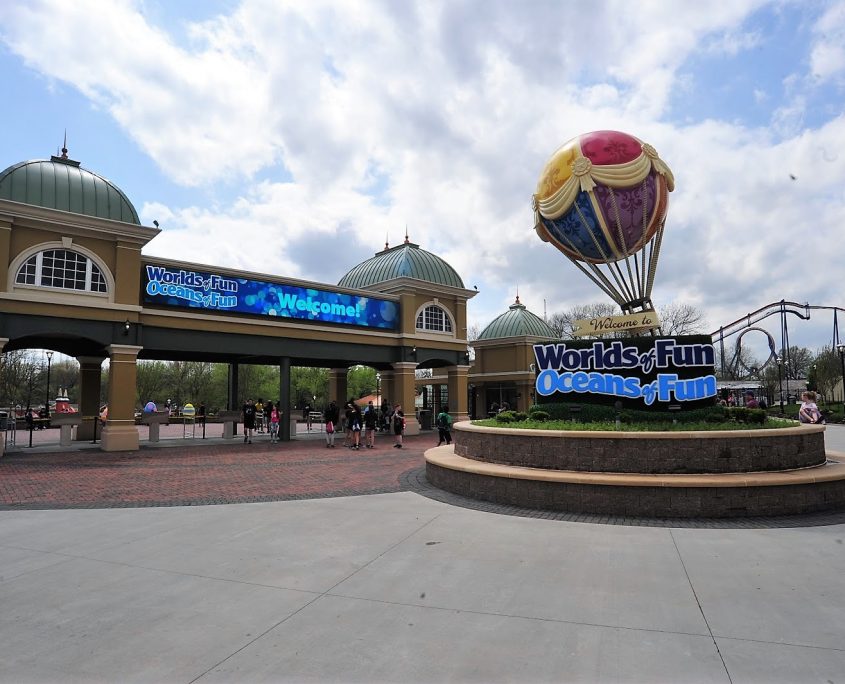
(336, 123)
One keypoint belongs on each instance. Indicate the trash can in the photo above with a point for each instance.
(425, 419)
(4, 421)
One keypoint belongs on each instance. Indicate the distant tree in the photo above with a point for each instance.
(563, 322)
(678, 318)
(825, 372)
(20, 375)
(361, 381)
(797, 362)
(473, 332)
(151, 382)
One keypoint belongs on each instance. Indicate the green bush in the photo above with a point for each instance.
(539, 416)
(520, 416)
(598, 413)
(506, 417)
(741, 414)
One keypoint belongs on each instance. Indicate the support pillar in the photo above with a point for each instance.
(404, 392)
(120, 433)
(284, 399)
(388, 390)
(233, 399)
(523, 400)
(338, 387)
(233, 402)
(3, 342)
(90, 373)
(458, 392)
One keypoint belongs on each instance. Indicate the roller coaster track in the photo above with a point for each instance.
(781, 307)
(747, 324)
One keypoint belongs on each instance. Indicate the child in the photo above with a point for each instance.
(274, 425)
(398, 425)
(809, 412)
(444, 426)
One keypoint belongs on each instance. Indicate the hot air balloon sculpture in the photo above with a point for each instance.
(602, 200)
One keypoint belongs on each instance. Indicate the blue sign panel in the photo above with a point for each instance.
(164, 286)
(665, 371)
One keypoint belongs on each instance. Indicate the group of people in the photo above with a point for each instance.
(353, 421)
(750, 401)
(257, 415)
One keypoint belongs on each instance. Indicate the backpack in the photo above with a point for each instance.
(443, 420)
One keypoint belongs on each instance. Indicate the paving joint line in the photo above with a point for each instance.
(539, 618)
(700, 608)
(72, 556)
(780, 643)
(315, 599)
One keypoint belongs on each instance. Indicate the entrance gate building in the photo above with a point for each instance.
(74, 279)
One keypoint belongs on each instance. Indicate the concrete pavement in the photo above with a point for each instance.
(391, 587)
(399, 588)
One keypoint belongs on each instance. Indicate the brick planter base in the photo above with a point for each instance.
(673, 496)
(644, 474)
(739, 451)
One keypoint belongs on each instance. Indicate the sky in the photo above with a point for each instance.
(291, 138)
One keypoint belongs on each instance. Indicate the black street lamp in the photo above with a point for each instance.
(841, 349)
(49, 362)
(779, 362)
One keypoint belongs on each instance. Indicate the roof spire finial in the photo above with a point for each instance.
(517, 294)
(386, 242)
(406, 234)
(64, 146)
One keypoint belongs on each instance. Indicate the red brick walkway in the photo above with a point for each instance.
(209, 474)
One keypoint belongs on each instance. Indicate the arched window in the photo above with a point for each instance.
(62, 268)
(434, 318)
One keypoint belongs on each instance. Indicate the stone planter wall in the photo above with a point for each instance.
(645, 452)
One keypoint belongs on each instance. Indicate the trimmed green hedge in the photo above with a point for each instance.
(597, 413)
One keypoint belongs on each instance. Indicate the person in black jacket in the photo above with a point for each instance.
(356, 422)
(370, 420)
(249, 420)
(331, 416)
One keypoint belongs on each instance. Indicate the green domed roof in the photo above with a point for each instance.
(61, 183)
(517, 321)
(405, 261)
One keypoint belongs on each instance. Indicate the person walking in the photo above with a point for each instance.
(249, 420)
(356, 421)
(331, 416)
(444, 426)
(370, 420)
(347, 424)
(259, 415)
(274, 423)
(398, 425)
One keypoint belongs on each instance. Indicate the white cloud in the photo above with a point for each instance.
(827, 57)
(363, 117)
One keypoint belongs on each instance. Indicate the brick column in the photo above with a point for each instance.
(90, 370)
(337, 386)
(458, 392)
(404, 393)
(524, 389)
(120, 433)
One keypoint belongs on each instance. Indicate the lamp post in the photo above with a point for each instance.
(378, 388)
(841, 349)
(779, 362)
(49, 362)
